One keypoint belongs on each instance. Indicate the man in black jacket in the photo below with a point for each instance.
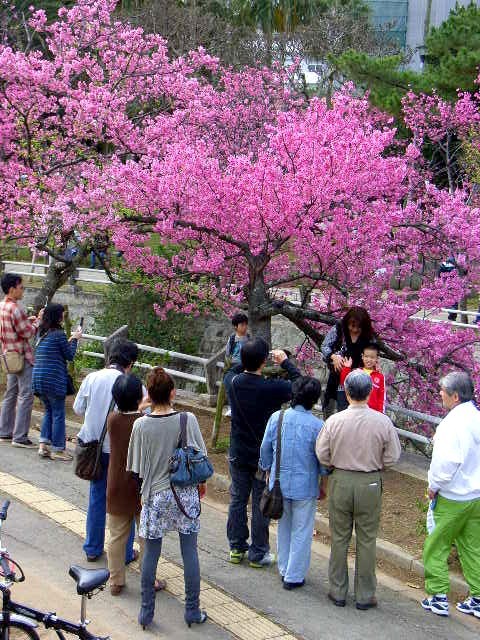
(253, 399)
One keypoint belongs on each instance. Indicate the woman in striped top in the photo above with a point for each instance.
(53, 349)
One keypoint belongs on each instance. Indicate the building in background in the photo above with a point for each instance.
(409, 21)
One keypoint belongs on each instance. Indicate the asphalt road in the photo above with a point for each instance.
(47, 549)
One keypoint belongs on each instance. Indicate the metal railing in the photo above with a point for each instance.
(212, 367)
(39, 270)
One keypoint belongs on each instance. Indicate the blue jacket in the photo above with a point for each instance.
(299, 467)
(50, 369)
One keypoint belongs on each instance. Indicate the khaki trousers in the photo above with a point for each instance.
(355, 498)
(119, 527)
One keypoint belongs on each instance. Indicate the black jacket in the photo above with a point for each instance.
(253, 399)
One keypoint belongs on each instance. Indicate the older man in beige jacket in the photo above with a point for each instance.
(358, 443)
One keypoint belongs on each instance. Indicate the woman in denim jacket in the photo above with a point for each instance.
(299, 479)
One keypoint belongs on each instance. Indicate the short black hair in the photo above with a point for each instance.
(305, 392)
(372, 345)
(238, 318)
(122, 352)
(127, 392)
(254, 353)
(10, 280)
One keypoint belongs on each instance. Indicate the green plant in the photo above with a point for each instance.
(222, 445)
(133, 305)
(422, 507)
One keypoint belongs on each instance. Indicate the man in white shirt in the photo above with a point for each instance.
(93, 401)
(454, 489)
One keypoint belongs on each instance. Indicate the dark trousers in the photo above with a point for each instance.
(244, 483)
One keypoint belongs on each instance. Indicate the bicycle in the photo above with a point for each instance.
(20, 621)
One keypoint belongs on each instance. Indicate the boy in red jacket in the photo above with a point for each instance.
(370, 363)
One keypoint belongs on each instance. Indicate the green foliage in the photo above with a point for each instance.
(451, 61)
(422, 507)
(453, 52)
(134, 306)
(223, 444)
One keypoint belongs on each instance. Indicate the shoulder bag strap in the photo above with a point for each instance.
(278, 452)
(182, 442)
(103, 434)
(183, 430)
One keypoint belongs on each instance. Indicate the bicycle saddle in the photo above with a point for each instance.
(88, 579)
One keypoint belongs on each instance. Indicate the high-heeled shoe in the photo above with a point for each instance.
(197, 620)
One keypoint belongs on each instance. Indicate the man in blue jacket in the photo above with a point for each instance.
(253, 399)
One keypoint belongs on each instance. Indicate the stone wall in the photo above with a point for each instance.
(215, 329)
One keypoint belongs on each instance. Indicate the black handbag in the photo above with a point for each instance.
(271, 502)
(71, 391)
(88, 465)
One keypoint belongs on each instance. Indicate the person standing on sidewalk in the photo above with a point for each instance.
(454, 489)
(299, 478)
(358, 443)
(16, 330)
(253, 399)
(94, 401)
(53, 350)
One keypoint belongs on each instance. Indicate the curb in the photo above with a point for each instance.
(386, 551)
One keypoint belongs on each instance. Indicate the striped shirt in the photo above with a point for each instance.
(50, 368)
(16, 329)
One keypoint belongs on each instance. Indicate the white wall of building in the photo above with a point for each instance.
(416, 27)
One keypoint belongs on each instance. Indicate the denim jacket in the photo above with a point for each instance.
(299, 467)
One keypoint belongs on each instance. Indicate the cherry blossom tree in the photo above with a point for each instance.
(63, 112)
(323, 200)
(224, 189)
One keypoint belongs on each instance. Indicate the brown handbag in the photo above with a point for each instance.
(88, 464)
(12, 361)
(271, 502)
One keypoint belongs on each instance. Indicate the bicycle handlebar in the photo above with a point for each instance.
(4, 509)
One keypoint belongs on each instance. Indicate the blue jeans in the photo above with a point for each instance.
(191, 574)
(243, 484)
(53, 423)
(294, 538)
(97, 516)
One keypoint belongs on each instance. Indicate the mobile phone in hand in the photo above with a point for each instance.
(80, 324)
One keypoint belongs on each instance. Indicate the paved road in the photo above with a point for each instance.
(306, 613)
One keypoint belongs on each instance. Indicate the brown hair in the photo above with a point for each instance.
(159, 385)
(361, 316)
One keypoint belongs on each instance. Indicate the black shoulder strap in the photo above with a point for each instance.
(183, 430)
(231, 343)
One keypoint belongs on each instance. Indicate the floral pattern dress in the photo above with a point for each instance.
(160, 513)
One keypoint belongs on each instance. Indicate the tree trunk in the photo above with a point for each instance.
(57, 275)
(259, 316)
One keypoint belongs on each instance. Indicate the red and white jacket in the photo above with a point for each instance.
(378, 396)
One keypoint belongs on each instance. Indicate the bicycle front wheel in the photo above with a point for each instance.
(18, 631)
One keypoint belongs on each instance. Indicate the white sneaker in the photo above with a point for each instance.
(228, 412)
(436, 604)
(267, 560)
(470, 606)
